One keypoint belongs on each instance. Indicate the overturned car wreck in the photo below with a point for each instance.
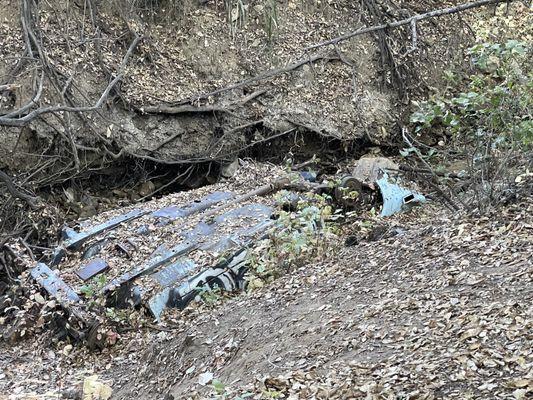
(164, 254)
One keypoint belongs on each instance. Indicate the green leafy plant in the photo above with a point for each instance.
(300, 235)
(94, 287)
(490, 122)
(209, 296)
(271, 394)
(218, 386)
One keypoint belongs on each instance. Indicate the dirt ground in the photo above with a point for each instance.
(429, 305)
(186, 53)
(439, 307)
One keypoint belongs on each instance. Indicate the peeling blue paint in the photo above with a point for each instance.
(395, 197)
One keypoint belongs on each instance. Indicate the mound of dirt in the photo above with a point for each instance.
(172, 103)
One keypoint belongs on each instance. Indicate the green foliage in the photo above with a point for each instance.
(209, 296)
(489, 122)
(94, 287)
(223, 392)
(117, 315)
(218, 386)
(497, 104)
(300, 236)
(271, 394)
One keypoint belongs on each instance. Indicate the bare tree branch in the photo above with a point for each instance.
(261, 77)
(408, 21)
(8, 88)
(30, 104)
(12, 189)
(9, 121)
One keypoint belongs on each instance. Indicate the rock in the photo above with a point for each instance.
(205, 378)
(368, 169)
(229, 170)
(146, 188)
(67, 349)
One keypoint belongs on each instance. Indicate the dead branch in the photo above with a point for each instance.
(166, 141)
(29, 104)
(445, 197)
(21, 121)
(425, 171)
(187, 108)
(407, 21)
(412, 21)
(8, 88)
(261, 77)
(12, 189)
(187, 172)
(229, 132)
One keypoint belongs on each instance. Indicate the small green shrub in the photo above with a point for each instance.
(94, 287)
(300, 236)
(490, 122)
(210, 296)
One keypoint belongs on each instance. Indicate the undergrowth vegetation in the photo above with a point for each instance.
(487, 119)
(302, 234)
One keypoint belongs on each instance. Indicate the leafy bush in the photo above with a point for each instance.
(490, 122)
(300, 236)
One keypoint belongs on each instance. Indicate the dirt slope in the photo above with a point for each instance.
(191, 49)
(442, 309)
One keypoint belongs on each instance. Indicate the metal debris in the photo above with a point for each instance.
(369, 172)
(370, 169)
(92, 268)
(174, 251)
(395, 197)
(174, 212)
(75, 239)
(53, 284)
(150, 265)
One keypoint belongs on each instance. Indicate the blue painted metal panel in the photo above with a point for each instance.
(94, 249)
(170, 212)
(77, 239)
(200, 230)
(53, 284)
(92, 268)
(395, 197)
(174, 272)
(150, 265)
(256, 211)
(175, 212)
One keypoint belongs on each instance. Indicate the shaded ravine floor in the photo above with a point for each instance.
(440, 310)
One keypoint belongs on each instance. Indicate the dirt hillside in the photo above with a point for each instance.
(438, 306)
(335, 301)
(188, 49)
